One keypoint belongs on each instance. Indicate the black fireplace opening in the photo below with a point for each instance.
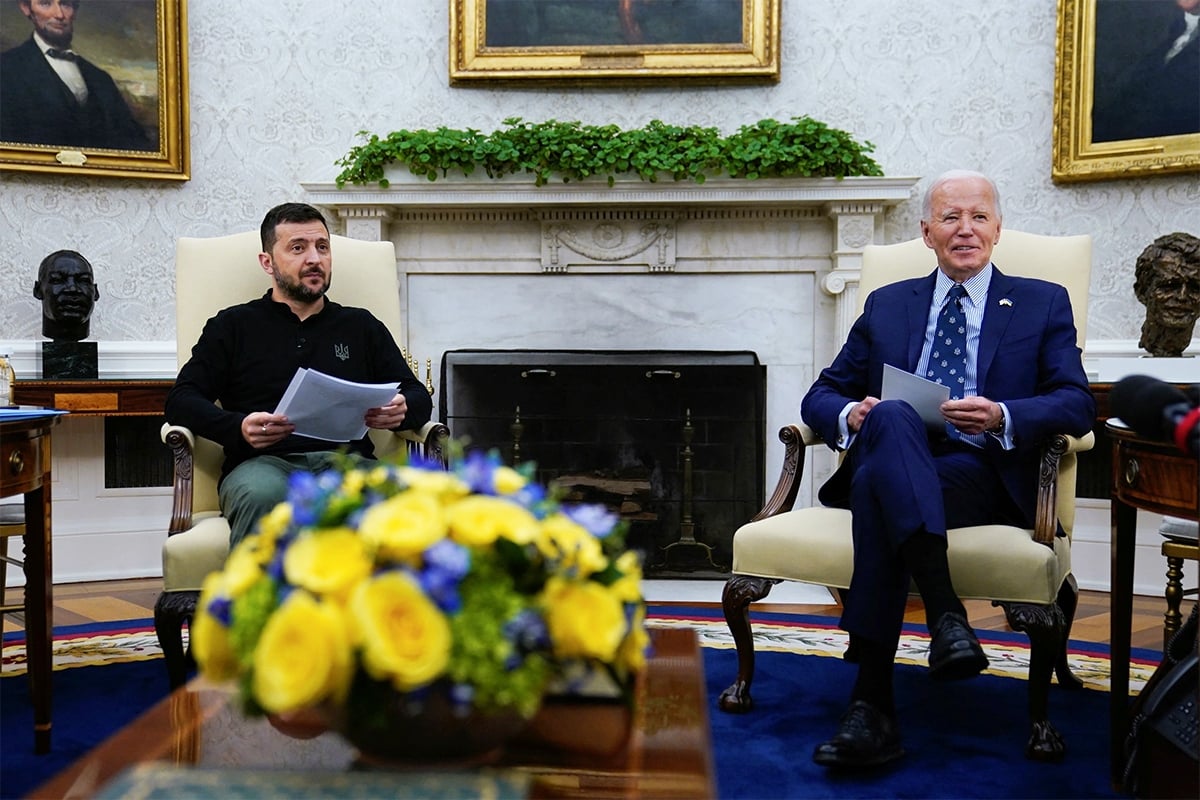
(673, 441)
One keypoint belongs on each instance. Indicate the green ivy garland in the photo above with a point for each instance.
(802, 148)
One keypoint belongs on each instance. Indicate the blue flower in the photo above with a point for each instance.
(595, 518)
(462, 695)
(477, 471)
(446, 564)
(533, 497)
(528, 632)
(304, 494)
(220, 608)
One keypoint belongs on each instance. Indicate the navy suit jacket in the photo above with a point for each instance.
(1028, 358)
(36, 107)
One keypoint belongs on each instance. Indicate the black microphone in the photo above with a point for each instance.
(1158, 410)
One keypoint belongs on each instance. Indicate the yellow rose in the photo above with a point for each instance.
(567, 541)
(209, 638)
(403, 636)
(628, 588)
(303, 656)
(585, 619)
(327, 562)
(506, 480)
(632, 653)
(271, 527)
(479, 520)
(378, 476)
(445, 486)
(404, 526)
(243, 567)
(353, 482)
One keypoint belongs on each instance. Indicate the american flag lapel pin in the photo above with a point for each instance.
(1004, 301)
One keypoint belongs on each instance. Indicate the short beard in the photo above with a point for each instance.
(57, 41)
(298, 291)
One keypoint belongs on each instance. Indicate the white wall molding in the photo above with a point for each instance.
(129, 360)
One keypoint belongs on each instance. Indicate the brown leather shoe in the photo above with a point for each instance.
(866, 737)
(954, 652)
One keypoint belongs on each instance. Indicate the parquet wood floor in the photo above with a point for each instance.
(107, 601)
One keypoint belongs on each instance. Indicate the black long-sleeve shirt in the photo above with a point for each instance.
(246, 357)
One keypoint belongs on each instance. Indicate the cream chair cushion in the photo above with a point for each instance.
(1031, 573)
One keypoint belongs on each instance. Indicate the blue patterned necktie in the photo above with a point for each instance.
(948, 354)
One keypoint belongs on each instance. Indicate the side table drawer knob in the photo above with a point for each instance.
(1132, 470)
(16, 462)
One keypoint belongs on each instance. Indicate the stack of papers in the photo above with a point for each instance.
(324, 407)
(923, 395)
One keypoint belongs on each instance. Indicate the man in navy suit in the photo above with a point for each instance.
(50, 95)
(1019, 380)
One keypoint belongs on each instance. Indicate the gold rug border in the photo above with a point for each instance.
(1007, 660)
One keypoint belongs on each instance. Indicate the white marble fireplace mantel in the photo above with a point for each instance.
(770, 266)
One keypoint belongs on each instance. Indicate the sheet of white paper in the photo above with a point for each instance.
(923, 395)
(324, 407)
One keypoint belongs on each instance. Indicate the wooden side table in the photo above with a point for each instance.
(1152, 476)
(25, 470)
(103, 397)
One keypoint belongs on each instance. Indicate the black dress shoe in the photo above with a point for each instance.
(955, 652)
(866, 737)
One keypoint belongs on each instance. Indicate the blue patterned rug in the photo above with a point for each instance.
(962, 740)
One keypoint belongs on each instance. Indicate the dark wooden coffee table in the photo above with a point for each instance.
(589, 750)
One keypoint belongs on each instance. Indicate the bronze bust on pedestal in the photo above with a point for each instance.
(66, 285)
(1167, 283)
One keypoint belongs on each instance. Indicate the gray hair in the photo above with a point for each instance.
(951, 175)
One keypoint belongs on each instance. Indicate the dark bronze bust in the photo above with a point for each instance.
(66, 286)
(1167, 283)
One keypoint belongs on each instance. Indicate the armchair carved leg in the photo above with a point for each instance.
(171, 611)
(1046, 627)
(740, 591)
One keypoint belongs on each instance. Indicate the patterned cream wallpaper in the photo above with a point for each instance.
(279, 89)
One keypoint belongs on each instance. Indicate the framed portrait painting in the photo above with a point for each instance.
(94, 87)
(713, 41)
(1127, 89)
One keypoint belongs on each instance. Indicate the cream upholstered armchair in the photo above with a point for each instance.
(212, 274)
(1027, 572)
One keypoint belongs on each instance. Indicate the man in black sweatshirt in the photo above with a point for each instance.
(246, 357)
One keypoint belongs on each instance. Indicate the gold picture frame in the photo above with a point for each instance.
(1101, 132)
(142, 46)
(716, 41)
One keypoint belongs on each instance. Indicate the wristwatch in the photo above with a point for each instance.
(998, 428)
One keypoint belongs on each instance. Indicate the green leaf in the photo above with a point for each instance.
(802, 147)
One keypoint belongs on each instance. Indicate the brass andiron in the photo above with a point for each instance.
(687, 528)
(415, 365)
(516, 429)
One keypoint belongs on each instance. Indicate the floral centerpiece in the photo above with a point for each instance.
(379, 596)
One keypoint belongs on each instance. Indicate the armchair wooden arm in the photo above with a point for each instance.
(182, 443)
(1054, 455)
